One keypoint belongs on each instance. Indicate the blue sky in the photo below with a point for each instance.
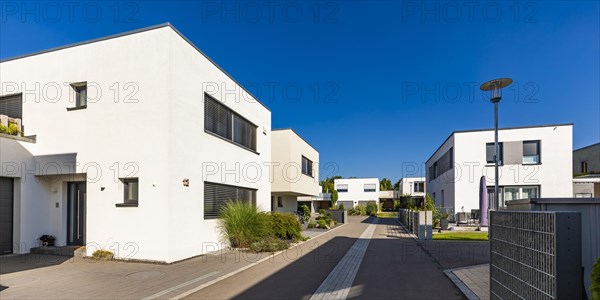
(382, 83)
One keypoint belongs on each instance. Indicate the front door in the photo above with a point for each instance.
(76, 213)
(6, 215)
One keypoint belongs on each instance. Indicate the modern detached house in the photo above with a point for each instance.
(139, 138)
(535, 161)
(295, 172)
(586, 172)
(357, 191)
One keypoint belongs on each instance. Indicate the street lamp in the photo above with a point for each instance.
(494, 87)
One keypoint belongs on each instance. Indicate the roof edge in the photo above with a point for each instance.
(309, 144)
(499, 129)
(118, 35)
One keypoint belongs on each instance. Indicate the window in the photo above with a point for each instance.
(490, 151)
(528, 192)
(370, 187)
(130, 192)
(419, 187)
(583, 195)
(279, 202)
(531, 152)
(442, 165)
(12, 106)
(216, 196)
(342, 188)
(307, 166)
(584, 167)
(80, 89)
(223, 122)
(508, 193)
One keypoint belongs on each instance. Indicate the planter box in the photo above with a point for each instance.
(444, 224)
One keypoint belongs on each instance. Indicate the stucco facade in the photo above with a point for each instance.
(355, 191)
(462, 159)
(144, 119)
(295, 166)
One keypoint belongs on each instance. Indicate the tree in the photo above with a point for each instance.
(397, 185)
(385, 185)
(334, 197)
(327, 185)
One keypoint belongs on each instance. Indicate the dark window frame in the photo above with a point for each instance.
(308, 168)
(418, 184)
(234, 122)
(584, 167)
(279, 201)
(213, 213)
(342, 190)
(126, 202)
(500, 149)
(538, 150)
(79, 87)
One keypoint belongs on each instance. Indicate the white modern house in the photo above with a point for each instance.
(535, 161)
(295, 172)
(586, 172)
(138, 140)
(413, 186)
(357, 191)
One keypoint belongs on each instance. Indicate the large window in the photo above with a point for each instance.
(12, 106)
(370, 187)
(342, 188)
(490, 151)
(442, 165)
(419, 187)
(216, 196)
(307, 166)
(531, 152)
(223, 122)
(508, 193)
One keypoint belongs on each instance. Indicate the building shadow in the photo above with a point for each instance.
(21, 262)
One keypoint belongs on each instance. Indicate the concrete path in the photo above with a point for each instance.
(474, 281)
(51, 277)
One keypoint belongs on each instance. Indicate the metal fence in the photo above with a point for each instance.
(535, 255)
(417, 222)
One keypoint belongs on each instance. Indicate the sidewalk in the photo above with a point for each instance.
(473, 281)
(51, 277)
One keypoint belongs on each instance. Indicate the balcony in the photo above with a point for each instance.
(12, 128)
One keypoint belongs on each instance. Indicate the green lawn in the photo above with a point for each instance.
(387, 215)
(462, 236)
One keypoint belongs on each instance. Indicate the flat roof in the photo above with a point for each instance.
(491, 129)
(282, 129)
(588, 146)
(118, 35)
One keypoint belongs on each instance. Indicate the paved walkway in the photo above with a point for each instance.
(52, 277)
(473, 281)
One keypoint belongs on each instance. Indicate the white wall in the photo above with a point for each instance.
(159, 138)
(461, 185)
(407, 186)
(287, 151)
(356, 191)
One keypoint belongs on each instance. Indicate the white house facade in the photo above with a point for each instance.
(295, 171)
(139, 140)
(586, 172)
(535, 161)
(357, 191)
(413, 186)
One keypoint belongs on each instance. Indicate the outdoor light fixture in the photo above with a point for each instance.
(494, 87)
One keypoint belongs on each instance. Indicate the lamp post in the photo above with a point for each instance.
(494, 87)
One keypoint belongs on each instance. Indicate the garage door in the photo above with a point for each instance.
(347, 204)
(6, 215)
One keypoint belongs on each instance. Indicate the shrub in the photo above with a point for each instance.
(341, 207)
(595, 280)
(286, 226)
(322, 224)
(3, 129)
(371, 209)
(242, 224)
(361, 209)
(13, 129)
(269, 244)
(321, 211)
(305, 211)
(103, 254)
(311, 224)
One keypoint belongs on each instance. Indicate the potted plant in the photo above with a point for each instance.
(444, 221)
(47, 240)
